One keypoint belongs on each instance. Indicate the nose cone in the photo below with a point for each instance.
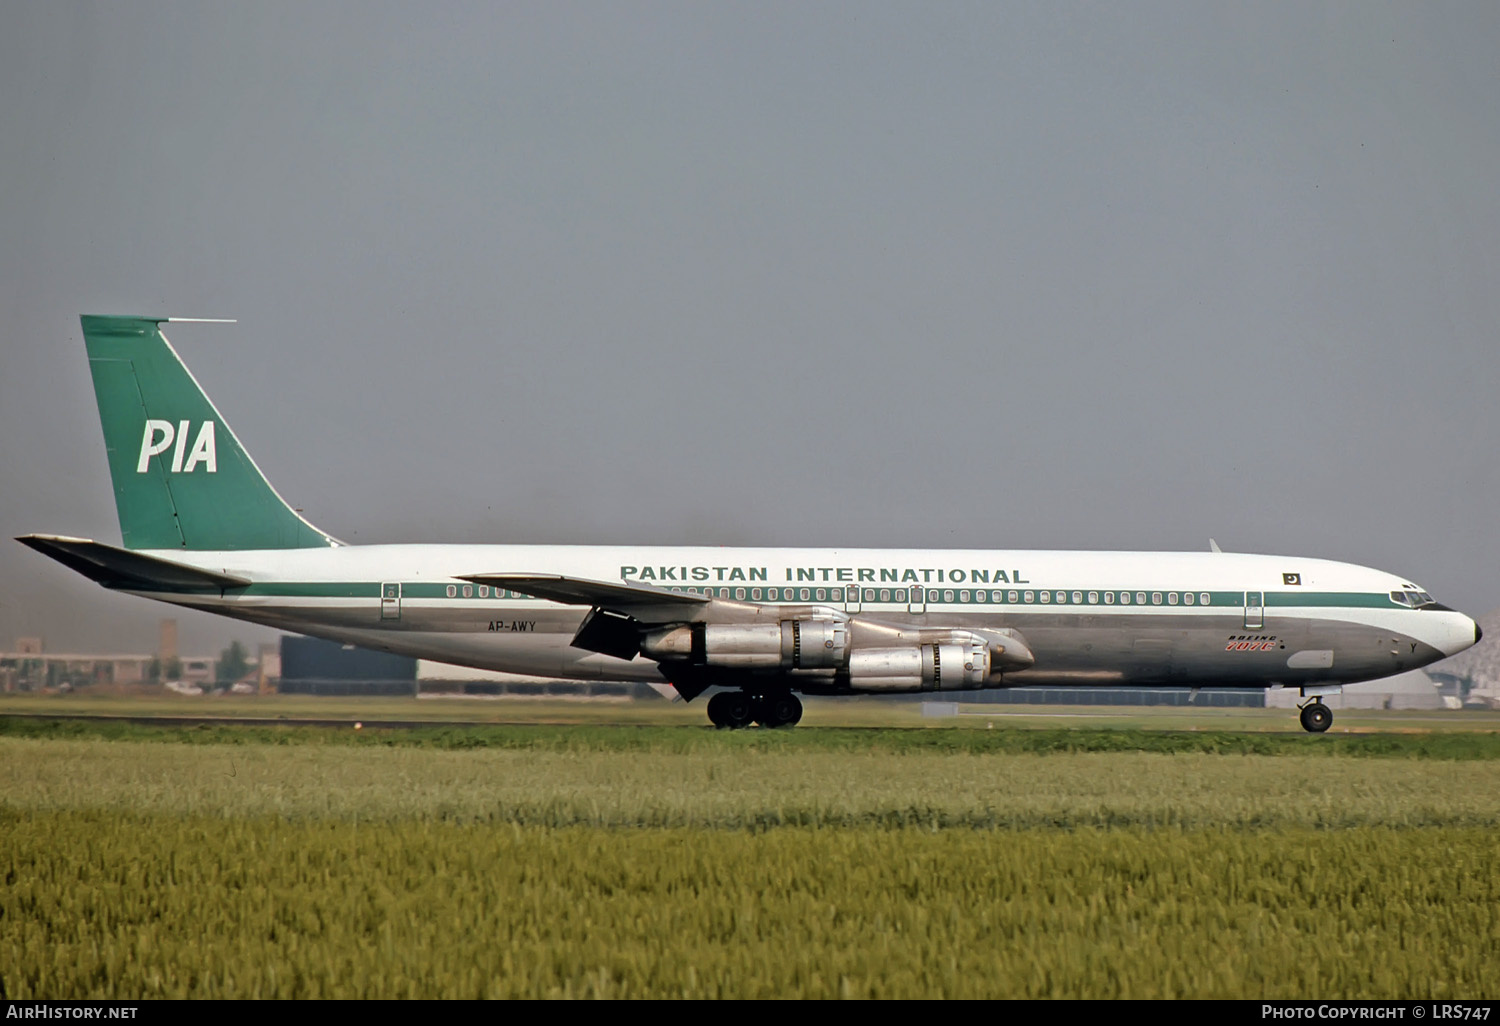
(1459, 633)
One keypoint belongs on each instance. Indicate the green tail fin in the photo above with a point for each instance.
(182, 480)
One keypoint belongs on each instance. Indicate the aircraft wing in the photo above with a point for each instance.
(579, 591)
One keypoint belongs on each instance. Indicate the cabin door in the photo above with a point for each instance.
(1254, 610)
(390, 601)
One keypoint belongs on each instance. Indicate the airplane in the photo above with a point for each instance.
(203, 528)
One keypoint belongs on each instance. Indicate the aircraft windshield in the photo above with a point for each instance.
(1415, 599)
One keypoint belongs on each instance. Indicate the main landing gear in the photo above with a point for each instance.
(1316, 717)
(736, 709)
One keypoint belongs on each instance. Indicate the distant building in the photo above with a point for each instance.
(1411, 690)
(31, 668)
(312, 666)
(166, 643)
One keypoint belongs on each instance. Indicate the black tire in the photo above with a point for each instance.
(782, 710)
(1316, 717)
(736, 709)
(716, 710)
(796, 716)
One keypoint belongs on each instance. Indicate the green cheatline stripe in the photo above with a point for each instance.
(1373, 600)
(313, 589)
(937, 596)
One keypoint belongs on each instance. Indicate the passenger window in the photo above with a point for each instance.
(900, 594)
(1124, 598)
(1156, 598)
(1030, 596)
(1109, 598)
(963, 596)
(453, 591)
(1203, 599)
(1140, 598)
(1046, 596)
(484, 591)
(1187, 597)
(1171, 598)
(1077, 597)
(1011, 597)
(1093, 598)
(739, 593)
(885, 594)
(821, 594)
(870, 595)
(805, 594)
(1062, 596)
(948, 595)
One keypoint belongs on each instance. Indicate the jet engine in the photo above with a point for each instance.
(790, 644)
(953, 666)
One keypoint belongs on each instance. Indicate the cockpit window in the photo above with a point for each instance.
(1413, 598)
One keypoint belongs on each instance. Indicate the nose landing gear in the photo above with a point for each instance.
(1316, 717)
(735, 709)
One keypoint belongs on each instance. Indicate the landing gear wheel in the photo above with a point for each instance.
(735, 709)
(716, 710)
(785, 709)
(1316, 717)
(778, 710)
(730, 710)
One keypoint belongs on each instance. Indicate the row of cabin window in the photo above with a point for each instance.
(484, 592)
(1109, 598)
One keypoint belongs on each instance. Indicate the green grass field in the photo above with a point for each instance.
(656, 860)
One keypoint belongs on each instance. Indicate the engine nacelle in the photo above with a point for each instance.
(814, 644)
(789, 645)
(939, 667)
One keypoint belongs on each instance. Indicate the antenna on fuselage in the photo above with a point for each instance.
(1213, 546)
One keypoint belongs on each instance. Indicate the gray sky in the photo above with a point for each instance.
(993, 275)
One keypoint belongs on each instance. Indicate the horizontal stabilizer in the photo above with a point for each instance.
(122, 568)
(576, 591)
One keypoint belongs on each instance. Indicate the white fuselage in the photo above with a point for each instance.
(1193, 619)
